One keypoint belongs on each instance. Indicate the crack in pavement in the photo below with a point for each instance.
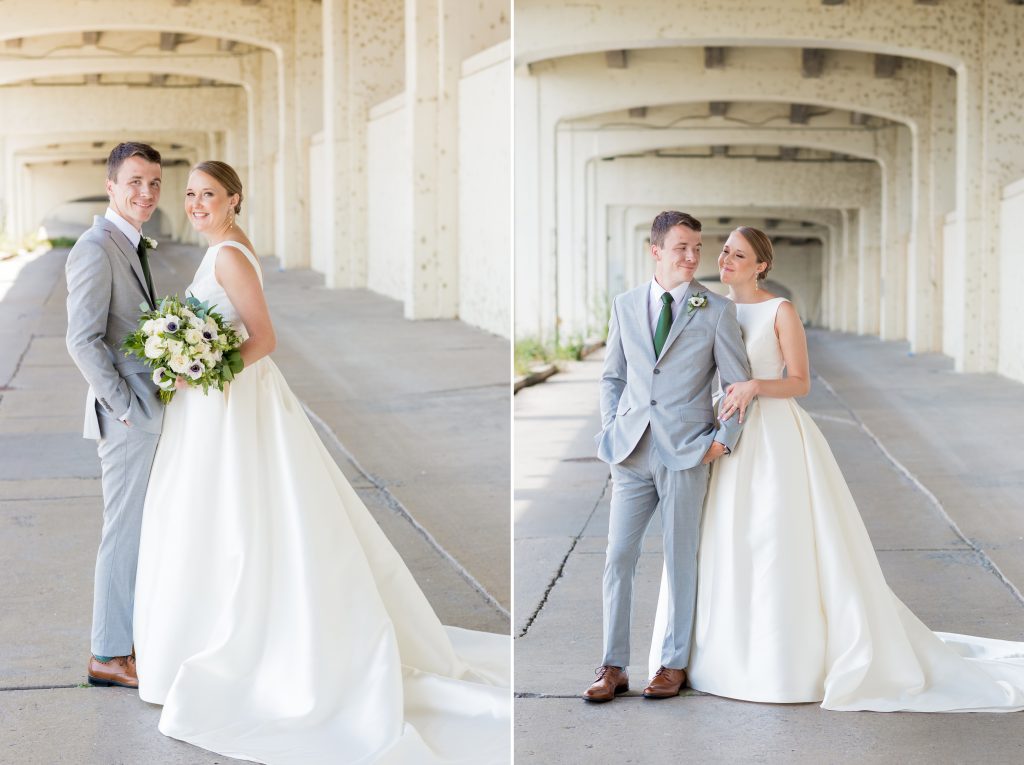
(986, 562)
(565, 559)
(397, 507)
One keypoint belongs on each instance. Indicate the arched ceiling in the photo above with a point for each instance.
(119, 57)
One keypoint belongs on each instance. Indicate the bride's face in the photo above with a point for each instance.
(207, 203)
(737, 263)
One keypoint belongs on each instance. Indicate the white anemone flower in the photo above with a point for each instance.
(161, 380)
(196, 370)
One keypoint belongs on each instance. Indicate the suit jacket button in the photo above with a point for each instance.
(657, 371)
(654, 403)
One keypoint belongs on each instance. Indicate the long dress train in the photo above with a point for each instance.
(792, 605)
(273, 619)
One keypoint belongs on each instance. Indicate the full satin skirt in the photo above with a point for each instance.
(792, 605)
(275, 622)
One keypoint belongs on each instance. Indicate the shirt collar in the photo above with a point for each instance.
(126, 228)
(677, 294)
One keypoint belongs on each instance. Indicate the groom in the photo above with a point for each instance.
(666, 340)
(108, 279)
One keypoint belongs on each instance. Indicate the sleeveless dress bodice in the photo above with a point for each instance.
(205, 286)
(758, 323)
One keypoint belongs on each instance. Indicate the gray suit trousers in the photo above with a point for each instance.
(641, 485)
(126, 458)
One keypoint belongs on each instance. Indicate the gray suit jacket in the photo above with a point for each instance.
(106, 285)
(671, 393)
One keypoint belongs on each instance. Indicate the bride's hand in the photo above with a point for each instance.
(180, 383)
(737, 398)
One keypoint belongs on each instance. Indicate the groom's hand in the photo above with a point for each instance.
(716, 450)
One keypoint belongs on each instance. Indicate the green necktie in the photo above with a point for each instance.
(144, 259)
(664, 323)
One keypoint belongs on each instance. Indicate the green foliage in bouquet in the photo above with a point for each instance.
(186, 339)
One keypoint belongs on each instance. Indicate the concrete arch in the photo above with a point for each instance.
(264, 25)
(225, 70)
(894, 29)
(575, 89)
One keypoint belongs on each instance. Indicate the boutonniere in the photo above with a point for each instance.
(697, 301)
(150, 242)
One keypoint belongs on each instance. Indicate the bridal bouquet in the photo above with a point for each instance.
(189, 340)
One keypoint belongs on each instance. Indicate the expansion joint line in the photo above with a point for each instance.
(565, 559)
(929, 495)
(396, 506)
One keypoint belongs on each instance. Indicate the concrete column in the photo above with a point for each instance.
(897, 176)
(432, 283)
(7, 178)
(973, 341)
(532, 320)
(336, 147)
(850, 282)
(869, 267)
(291, 234)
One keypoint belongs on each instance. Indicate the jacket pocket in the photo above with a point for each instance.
(696, 414)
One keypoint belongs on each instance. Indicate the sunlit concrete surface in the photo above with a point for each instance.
(415, 413)
(933, 458)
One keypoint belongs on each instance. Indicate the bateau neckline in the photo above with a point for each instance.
(229, 241)
(762, 302)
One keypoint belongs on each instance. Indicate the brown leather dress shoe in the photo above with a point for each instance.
(118, 671)
(665, 684)
(611, 681)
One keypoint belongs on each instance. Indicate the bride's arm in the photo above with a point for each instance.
(796, 383)
(240, 281)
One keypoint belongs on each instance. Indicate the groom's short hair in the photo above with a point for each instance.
(126, 150)
(665, 223)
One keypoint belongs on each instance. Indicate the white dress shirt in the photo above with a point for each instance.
(126, 228)
(654, 302)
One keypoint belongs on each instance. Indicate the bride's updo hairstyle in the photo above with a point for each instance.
(762, 245)
(225, 175)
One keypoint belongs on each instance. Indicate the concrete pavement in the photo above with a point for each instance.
(415, 413)
(934, 460)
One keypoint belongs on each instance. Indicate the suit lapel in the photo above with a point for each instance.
(640, 306)
(683, 318)
(129, 252)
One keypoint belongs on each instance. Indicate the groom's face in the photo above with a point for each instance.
(677, 260)
(135, 192)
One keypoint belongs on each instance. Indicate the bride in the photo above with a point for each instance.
(791, 604)
(273, 620)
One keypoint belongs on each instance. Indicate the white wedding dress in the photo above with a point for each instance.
(792, 605)
(273, 619)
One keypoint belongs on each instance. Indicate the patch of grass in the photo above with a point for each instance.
(62, 241)
(529, 352)
(10, 246)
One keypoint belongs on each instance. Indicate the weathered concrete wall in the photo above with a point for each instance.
(1011, 277)
(485, 226)
(390, 203)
